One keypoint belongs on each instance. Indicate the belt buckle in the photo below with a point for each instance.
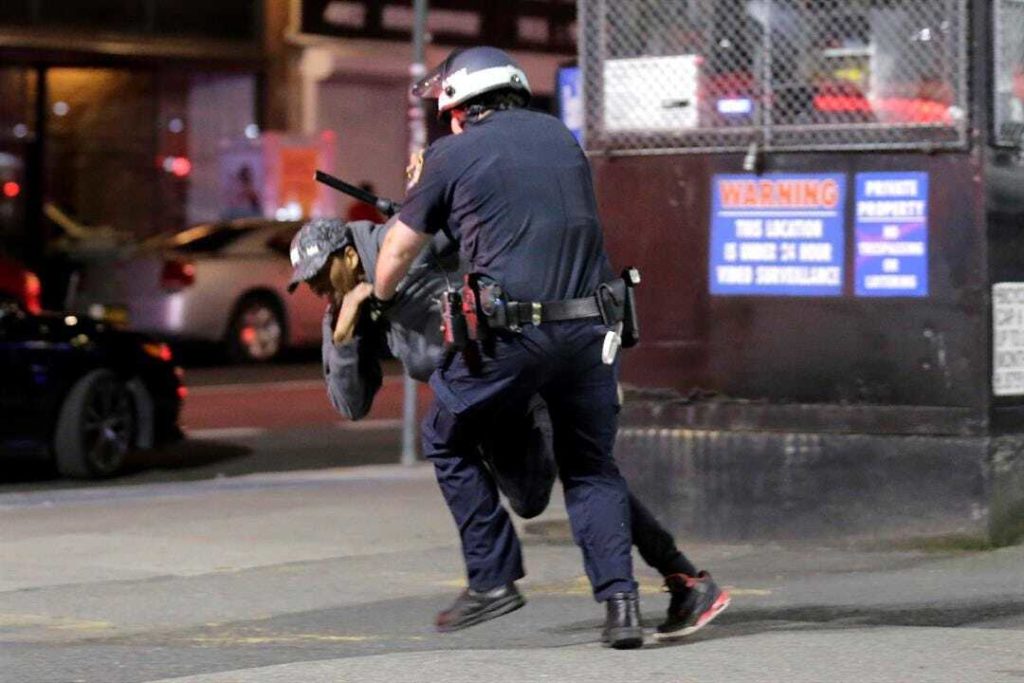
(535, 313)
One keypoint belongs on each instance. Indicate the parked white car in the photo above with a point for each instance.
(218, 282)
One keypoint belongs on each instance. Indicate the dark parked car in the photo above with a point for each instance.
(83, 393)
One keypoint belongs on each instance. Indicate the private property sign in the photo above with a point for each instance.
(892, 234)
(777, 234)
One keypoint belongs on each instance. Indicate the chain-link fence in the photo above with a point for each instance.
(718, 75)
(1008, 73)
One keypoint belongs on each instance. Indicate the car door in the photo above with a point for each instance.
(32, 369)
(14, 373)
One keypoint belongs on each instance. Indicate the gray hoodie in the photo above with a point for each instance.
(352, 369)
(520, 456)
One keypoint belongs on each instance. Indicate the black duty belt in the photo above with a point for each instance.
(479, 308)
(537, 312)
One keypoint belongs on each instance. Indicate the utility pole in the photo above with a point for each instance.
(417, 143)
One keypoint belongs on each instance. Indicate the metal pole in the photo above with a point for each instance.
(417, 142)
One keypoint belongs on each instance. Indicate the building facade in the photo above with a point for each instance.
(353, 68)
(112, 112)
(123, 117)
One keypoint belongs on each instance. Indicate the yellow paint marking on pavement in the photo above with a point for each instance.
(581, 586)
(647, 585)
(577, 586)
(754, 592)
(15, 620)
(650, 585)
(282, 639)
(82, 625)
(50, 622)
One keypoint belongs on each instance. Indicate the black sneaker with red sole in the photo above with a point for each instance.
(696, 600)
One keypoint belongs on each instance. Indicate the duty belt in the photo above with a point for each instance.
(498, 313)
(480, 307)
(536, 312)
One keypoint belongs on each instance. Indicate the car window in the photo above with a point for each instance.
(205, 239)
(256, 242)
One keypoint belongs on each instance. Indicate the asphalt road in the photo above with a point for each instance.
(334, 575)
(278, 542)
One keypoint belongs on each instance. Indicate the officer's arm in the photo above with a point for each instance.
(401, 246)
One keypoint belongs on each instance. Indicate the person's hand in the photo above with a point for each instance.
(345, 325)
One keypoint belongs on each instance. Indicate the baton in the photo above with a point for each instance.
(385, 206)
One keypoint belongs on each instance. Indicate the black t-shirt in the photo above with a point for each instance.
(515, 189)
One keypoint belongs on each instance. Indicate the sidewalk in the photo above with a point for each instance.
(335, 575)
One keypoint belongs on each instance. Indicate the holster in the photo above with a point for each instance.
(476, 320)
(493, 306)
(630, 317)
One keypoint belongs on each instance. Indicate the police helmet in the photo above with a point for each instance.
(468, 73)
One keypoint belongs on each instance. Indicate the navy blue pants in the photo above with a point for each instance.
(562, 363)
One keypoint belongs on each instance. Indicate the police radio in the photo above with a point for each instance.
(453, 322)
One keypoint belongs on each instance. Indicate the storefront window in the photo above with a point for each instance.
(101, 146)
(17, 132)
(133, 153)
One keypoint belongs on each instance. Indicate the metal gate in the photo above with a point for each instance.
(672, 76)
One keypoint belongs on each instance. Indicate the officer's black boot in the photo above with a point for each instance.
(622, 629)
(473, 607)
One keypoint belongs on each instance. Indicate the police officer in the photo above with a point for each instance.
(514, 188)
(336, 260)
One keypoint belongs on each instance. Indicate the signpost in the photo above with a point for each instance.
(417, 143)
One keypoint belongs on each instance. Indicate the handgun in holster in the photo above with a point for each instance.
(453, 322)
(493, 306)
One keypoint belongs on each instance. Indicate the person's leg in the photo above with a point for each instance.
(489, 544)
(466, 399)
(583, 403)
(584, 416)
(517, 449)
(695, 598)
(654, 543)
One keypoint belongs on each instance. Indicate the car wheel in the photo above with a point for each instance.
(96, 426)
(256, 330)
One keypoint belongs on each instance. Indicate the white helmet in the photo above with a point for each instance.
(468, 73)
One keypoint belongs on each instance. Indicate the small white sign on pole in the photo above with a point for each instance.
(650, 94)
(1008, 339)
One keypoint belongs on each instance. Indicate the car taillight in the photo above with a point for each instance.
(179, 372)
(33, 294)
(159, 351)
(177, 274)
